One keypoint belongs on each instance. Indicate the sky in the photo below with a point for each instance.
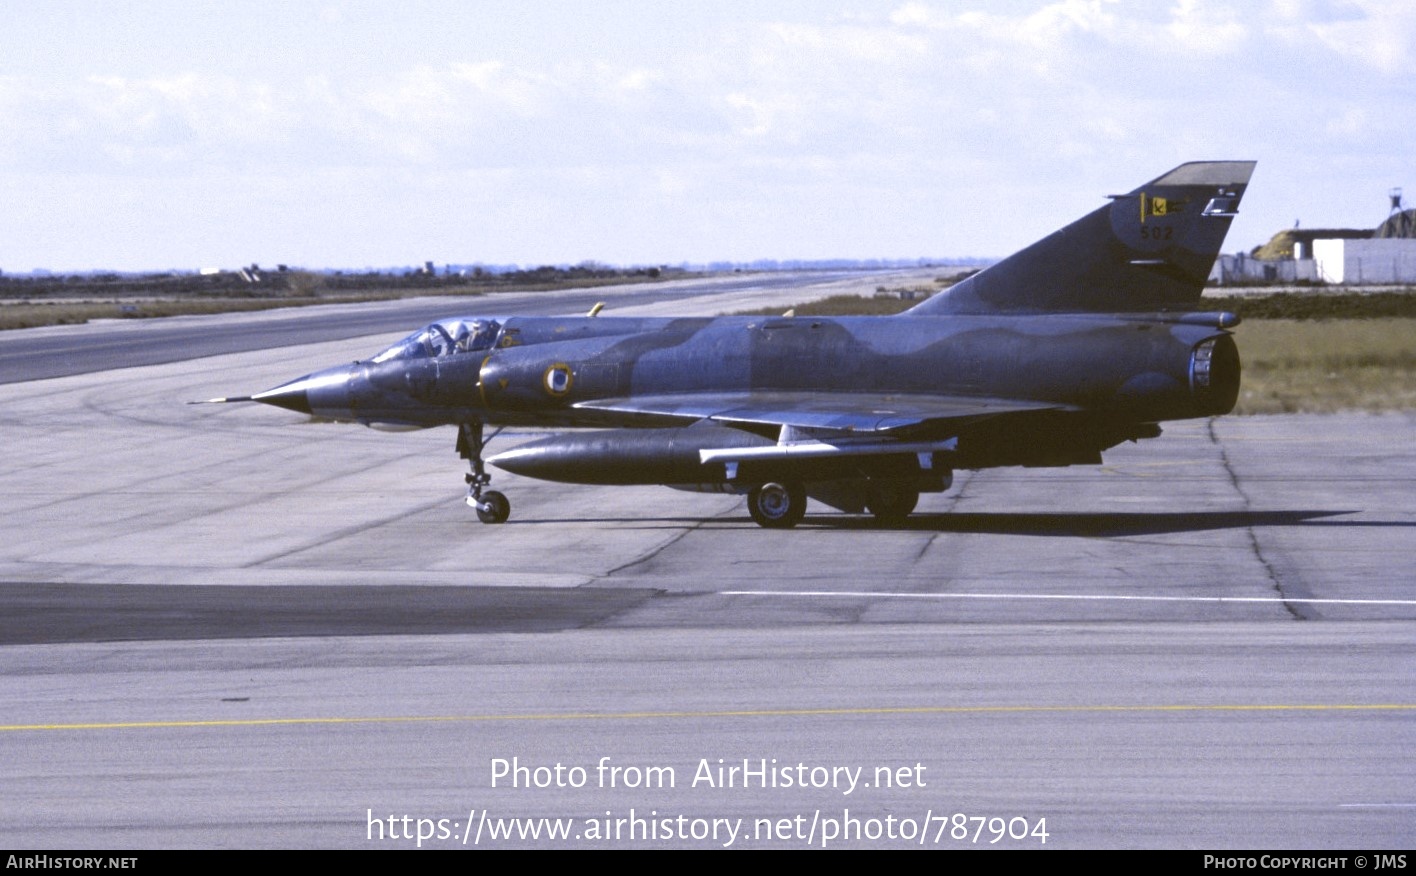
(183, 135)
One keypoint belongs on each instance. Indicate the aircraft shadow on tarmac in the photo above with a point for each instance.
(1093, 525)
(1079, 524)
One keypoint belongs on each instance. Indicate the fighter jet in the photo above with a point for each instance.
(1088, 338)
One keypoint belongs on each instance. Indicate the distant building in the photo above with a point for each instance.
(1370, 262)
(1354, 256)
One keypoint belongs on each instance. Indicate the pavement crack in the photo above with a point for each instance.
(345, 532)
(650, 555)
(953, 503)
(1254, 547)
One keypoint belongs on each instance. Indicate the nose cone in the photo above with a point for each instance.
(324, 392)
(291, 396)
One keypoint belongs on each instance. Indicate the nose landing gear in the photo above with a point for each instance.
(491, 506)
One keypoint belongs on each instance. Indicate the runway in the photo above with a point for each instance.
(62, 350)
(227, 626)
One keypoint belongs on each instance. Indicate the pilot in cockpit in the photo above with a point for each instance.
(479, 336)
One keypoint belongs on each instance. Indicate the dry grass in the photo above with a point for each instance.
(1327, 365)
(32, 315)
(305, 289)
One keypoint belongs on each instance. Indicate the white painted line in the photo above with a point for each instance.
(865, 594)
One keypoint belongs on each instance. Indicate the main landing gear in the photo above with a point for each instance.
(491, 506)
(892, 503)
(782, 505)
(777, 506)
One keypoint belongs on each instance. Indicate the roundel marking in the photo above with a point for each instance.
(557, 379)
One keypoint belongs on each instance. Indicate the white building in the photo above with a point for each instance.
(1365, 262)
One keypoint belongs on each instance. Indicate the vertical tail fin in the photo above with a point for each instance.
(1151, 249)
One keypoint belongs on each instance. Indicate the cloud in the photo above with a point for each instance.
(1380, 35)
(931, 108)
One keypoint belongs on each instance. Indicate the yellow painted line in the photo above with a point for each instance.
(726, 713)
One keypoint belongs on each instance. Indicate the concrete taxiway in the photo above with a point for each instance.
(230, 626)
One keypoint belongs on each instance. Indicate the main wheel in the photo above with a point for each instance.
(892, 504)
(777, 506)
(495, 508)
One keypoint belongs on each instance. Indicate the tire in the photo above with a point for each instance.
(892, 504)
(495, 508)
(777, 506)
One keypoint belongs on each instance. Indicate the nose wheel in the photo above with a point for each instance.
(491, 506)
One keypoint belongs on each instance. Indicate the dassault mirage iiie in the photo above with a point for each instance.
(1088, 338)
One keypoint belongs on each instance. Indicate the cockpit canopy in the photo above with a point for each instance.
(446, 337)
